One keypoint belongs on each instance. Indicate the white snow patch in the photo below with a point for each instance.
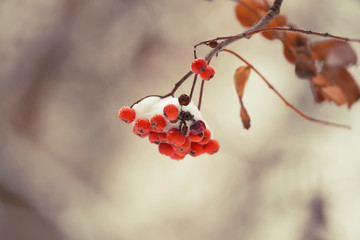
(153, 105)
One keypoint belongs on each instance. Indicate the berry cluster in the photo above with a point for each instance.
(174, 124)
(200, 66)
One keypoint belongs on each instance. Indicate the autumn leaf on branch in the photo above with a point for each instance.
(334, 82)
(240, 78)
(323, 63)
(333, 53)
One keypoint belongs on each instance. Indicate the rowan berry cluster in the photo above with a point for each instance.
(174, 124)
(200, 66)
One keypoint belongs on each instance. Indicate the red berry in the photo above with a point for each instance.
(165, 149)
(140, 133)
(206, 137)
(208, 73)
(175, 137)
(185, 147)
(142, 127)
(158, 123)
(127, 114)
(198, 65)
(197, 127)
(162, 137)
(177, 156)
(171, 112)
(196, 149)
(154, 137)
(196, 137)
(212, 147)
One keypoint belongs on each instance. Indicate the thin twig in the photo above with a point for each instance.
(283, 29)
(201, 93)
(178, 84)
(283, 99)
(193, 86)
(144, 98)
(308, 32)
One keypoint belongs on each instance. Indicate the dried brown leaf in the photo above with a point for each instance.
(293, 39)
(290, 54)
(245, 118)
(316, 90)
(240, 78)
(336, 84)
(334, 93)
(291, 43)
(278, 21)
(304, 64)
(249, 12)
(334, 52)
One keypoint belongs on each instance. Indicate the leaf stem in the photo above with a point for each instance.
(283, 99)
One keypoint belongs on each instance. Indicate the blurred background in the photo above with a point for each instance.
(69, 169)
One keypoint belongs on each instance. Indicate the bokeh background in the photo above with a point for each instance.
(69, 169)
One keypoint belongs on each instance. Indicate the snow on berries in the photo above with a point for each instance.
(171, 112)
(174, 124)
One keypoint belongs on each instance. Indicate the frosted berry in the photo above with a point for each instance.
(140, 133)
(196, 149)
(154, 137)
(206, 137)
(158, 123)
(197, 127)
(127, 114)
(198, 65)
(142, 127)
(171, 112)
(175, 125)
(166, 149)
(196, 137)
(184, 99)
(212, 147)
(208, 73)
(175, 137)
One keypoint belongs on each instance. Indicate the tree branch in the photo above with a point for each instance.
(273, 11)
